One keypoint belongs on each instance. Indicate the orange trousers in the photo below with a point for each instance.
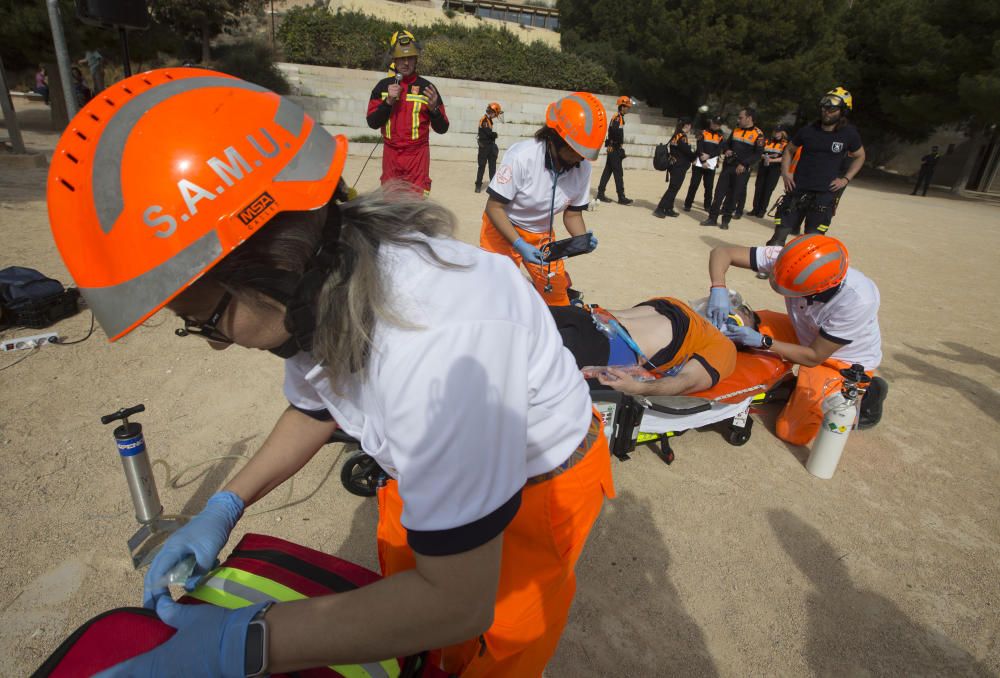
(800, 420)
(537, 578)
(492, 240)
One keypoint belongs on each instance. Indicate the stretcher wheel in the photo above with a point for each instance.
(739, 435)
(360, 475)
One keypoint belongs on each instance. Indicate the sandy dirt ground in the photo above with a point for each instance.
(732, 561)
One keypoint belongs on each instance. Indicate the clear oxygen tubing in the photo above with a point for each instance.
(611, 328)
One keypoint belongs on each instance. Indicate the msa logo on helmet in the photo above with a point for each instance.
(230, 169)
(250, 213)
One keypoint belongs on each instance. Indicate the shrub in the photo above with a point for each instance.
(254, 62)
(353, 40)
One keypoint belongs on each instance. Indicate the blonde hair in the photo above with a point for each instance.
(354, 298)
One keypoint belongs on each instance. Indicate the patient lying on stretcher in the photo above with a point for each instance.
(656, 348)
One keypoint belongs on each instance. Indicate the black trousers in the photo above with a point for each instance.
(613, 165)
(763, 188)
(923, 179)
(487, 154)
(675, 177)
(700, 175)
(816, 208)
(730, 189)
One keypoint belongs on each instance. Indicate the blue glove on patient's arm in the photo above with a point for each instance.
(718, 306)
(529, 252)
(203, 537)
(743, 336)
(210, 641)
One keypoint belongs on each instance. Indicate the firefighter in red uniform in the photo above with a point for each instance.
(406, 107)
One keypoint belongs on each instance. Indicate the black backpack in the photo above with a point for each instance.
(661, 157)
(30, 299)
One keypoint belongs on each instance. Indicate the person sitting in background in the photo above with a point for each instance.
(41, 83)
(685, 352)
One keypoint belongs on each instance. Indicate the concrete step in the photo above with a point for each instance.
(465, 117)
(343, 82)
(338, 99)
(442, 151)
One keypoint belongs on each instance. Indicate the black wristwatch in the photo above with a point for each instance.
(255, 654)
(766, 341)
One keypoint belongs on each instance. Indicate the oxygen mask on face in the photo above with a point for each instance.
(741, 314)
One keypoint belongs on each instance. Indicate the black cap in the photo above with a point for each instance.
(717, 119)
(683, 121)
(781, 127)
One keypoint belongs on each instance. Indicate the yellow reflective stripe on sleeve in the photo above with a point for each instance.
(416, 120)
(417, 98)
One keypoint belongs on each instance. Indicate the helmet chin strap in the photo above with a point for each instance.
(300, 311)
(299, 293)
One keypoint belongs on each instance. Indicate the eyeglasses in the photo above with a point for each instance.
(207, 330)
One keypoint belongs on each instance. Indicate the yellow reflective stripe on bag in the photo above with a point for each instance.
(232, 589)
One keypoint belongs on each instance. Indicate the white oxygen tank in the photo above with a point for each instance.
(840, 411)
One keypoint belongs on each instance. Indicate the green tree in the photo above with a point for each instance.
(971, 31)
(920, 64)
(26, 36)
(677, 55)
(202, 20)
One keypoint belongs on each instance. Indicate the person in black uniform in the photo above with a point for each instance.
(703, 171)
(769, 170)
(740, 152)
(681, 156)
(615, 144)
(487, 140)
(927, 165)
(819, 179)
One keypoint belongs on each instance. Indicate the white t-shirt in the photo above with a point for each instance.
(850, 318)
(523, 182)
(477, 396)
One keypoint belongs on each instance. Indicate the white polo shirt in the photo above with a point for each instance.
(523, 183)
(850, 318)
(463, 406)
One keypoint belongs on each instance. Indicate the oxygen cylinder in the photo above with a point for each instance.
(840, 411)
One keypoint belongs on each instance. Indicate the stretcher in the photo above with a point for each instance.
(629, 421)
(760, 377)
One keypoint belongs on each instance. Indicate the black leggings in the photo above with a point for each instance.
(675, 176)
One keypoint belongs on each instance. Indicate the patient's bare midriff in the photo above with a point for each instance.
(650, 330)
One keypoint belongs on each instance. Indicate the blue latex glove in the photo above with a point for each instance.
(528, 252)
(210, 641)
(718, 306)
(593, 241)
(203, 538)
(743, 336)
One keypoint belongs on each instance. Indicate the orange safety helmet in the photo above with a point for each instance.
(808, 265)
(495, 107)
(625, 101)
(162, 175)
(580, 120)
